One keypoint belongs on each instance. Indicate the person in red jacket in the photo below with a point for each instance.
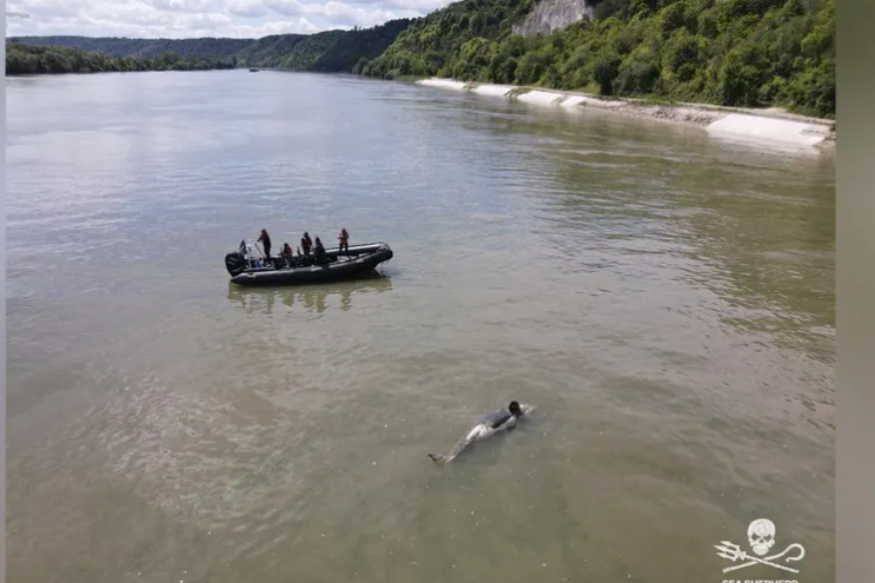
(343, 237)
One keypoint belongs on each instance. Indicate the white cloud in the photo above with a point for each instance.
(416, 6)
(181, 5)
(198, 18)
(247, 8)
(287, 7)
(336, 12)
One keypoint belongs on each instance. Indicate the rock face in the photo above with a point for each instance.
(550, 15)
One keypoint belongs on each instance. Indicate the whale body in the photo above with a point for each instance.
(484, 429)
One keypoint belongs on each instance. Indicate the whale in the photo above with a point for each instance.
(490, 424)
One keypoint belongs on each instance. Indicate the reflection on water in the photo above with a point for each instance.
(308, 298)
(754, 223)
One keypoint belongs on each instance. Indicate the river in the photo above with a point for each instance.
(663, 297)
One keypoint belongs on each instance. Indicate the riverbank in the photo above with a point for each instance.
(772, 124)
(26, 59)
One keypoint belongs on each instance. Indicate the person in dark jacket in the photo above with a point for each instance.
(319, 252)
(306, 243)
(264, 239)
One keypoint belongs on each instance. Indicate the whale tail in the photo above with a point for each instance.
(438, 458)
(463, 443)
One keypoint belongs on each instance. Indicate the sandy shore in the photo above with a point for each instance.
(770, 124)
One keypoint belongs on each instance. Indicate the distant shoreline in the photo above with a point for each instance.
(773, 124)
(23, 59)
(61, 73)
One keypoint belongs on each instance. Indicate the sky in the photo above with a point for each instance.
(200, 18)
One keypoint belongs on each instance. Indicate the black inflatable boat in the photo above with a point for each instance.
(358, 261)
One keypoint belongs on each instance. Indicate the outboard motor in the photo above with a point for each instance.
(235, 263)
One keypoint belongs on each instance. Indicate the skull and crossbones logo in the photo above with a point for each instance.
(761, 536)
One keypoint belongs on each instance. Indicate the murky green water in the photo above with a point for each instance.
(665, 299)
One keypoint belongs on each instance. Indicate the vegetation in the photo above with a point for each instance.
(296, 52)
(334, 51)
(201, 48)
(749, 53)
(455, 33)
(24, 59)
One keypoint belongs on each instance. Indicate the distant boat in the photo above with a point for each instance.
(253, 70)
(357, 261)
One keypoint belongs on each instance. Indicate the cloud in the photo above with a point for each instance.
(181, 5)
(288, 7)
(248, 8)
(198, 18)
(419, 7)
(336, 12)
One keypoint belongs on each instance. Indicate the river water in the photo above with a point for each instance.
(664, 298)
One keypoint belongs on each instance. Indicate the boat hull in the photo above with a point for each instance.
(361, 260)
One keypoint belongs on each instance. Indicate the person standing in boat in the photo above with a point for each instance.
(319, 252)
(264, 239)
(306, 243)
(343, 237)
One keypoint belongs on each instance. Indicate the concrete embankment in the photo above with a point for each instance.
(774, 125)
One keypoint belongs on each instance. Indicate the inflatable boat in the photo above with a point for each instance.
(246, 269)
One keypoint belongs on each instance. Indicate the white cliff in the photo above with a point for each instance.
(550, 15)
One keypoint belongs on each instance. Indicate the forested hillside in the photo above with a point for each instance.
(729, 52)
(202, 48)
(430, 43)
(333, 51)
(24, 59)
(753, 53)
